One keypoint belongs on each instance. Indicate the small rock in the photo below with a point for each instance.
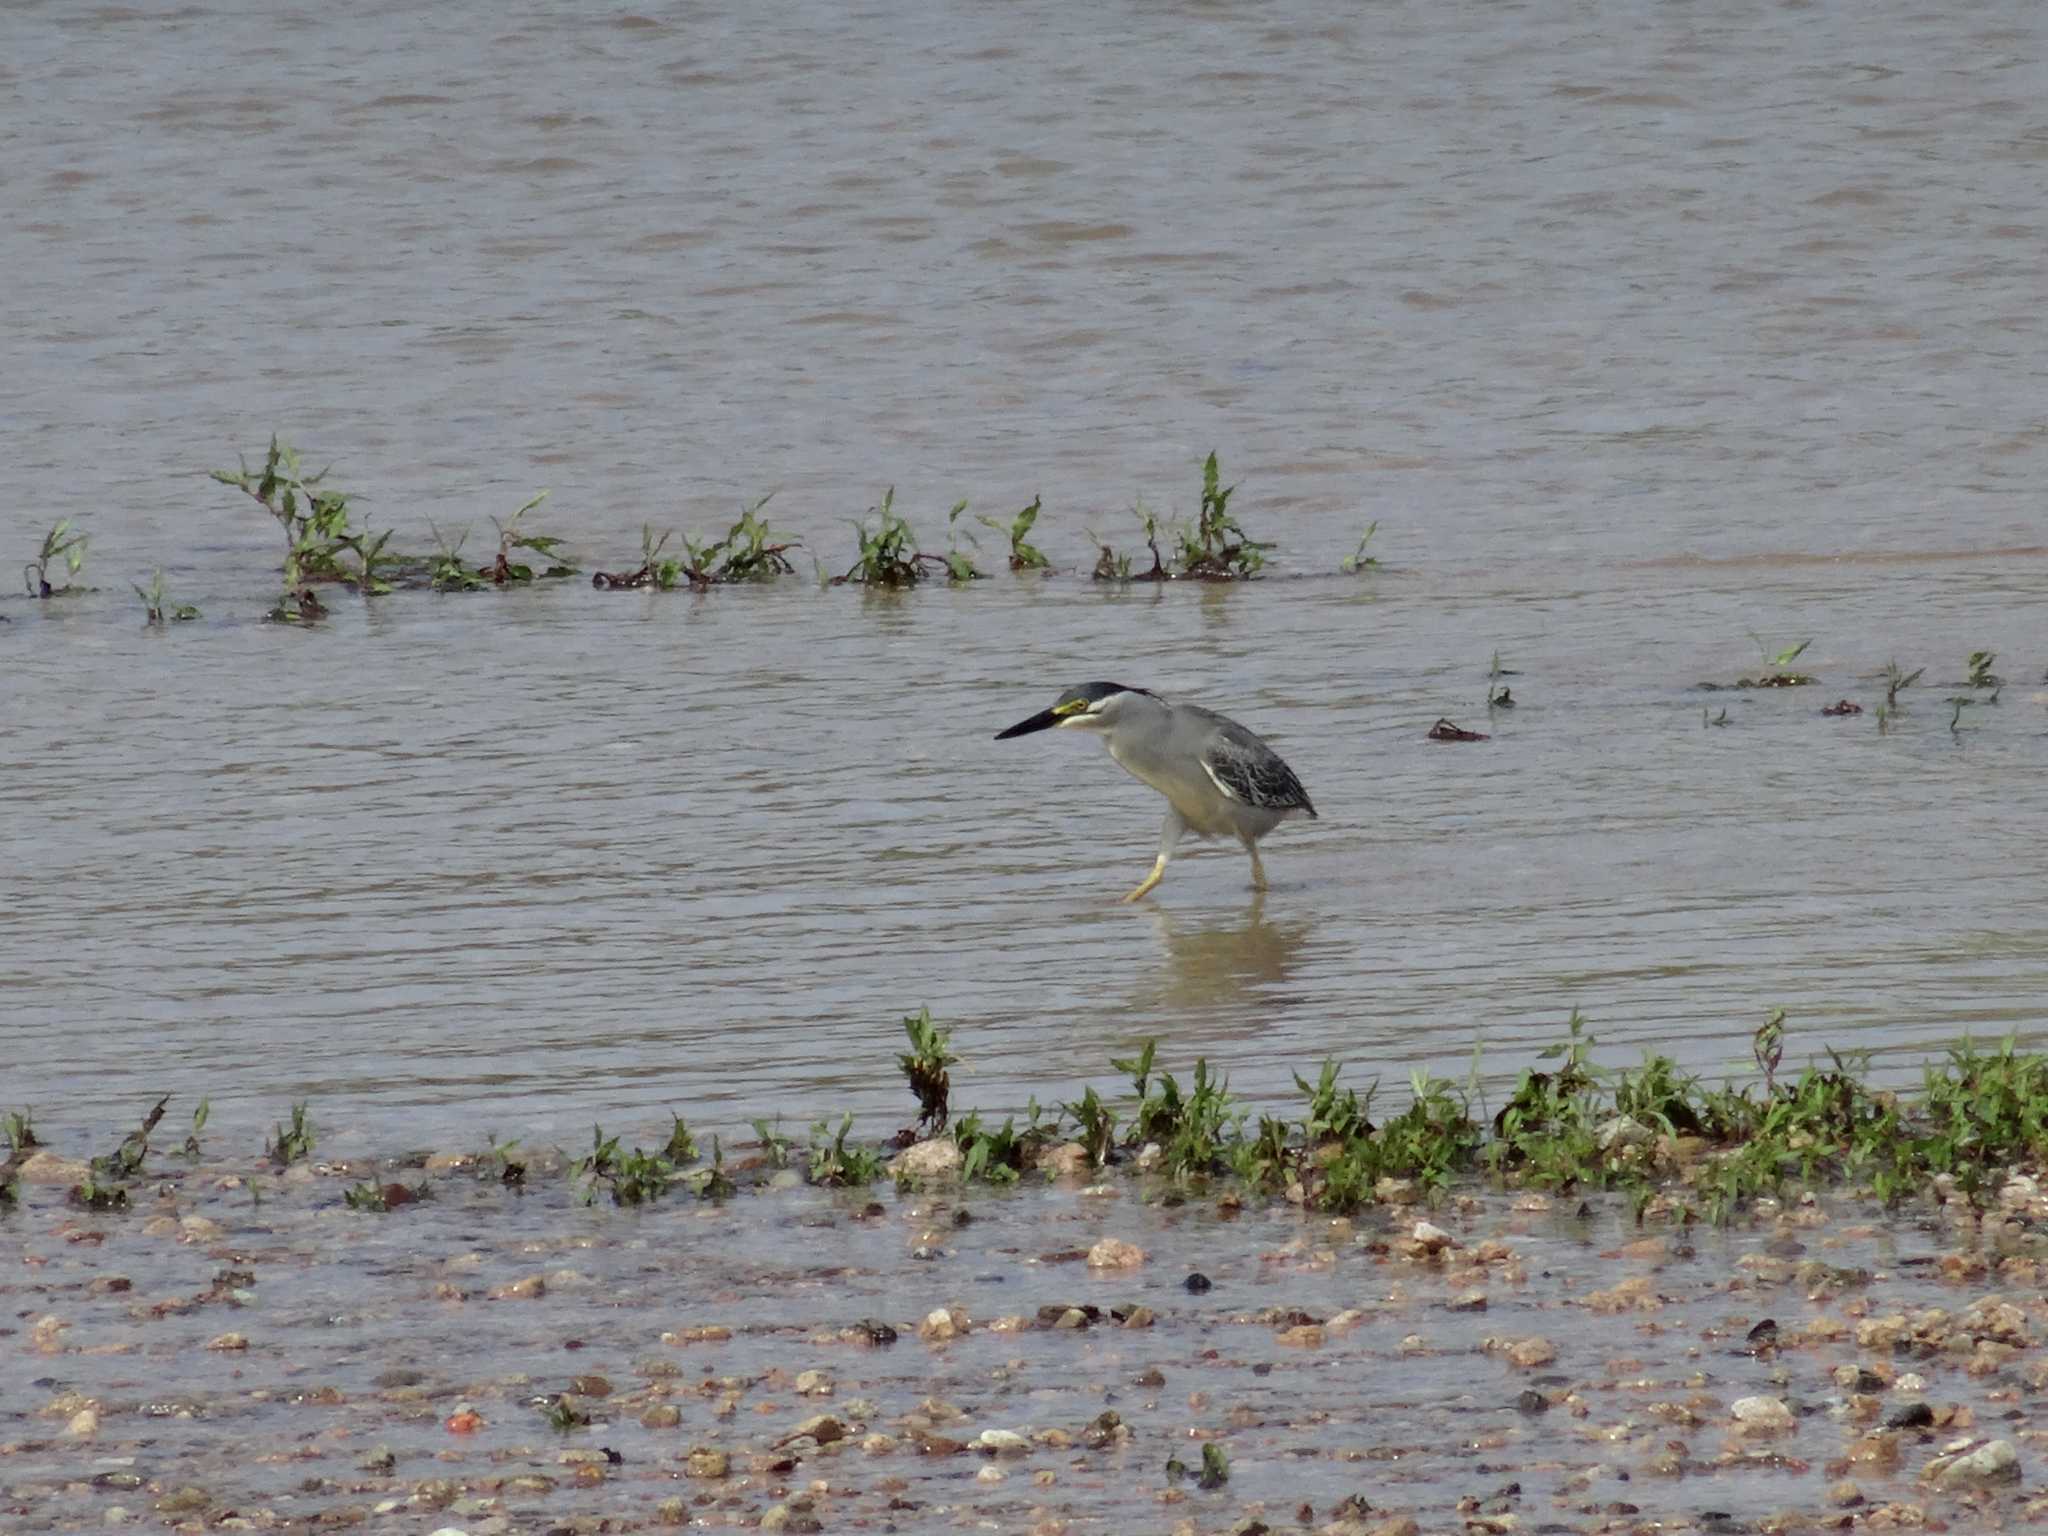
(1845, 1494)
(1115, 1253)
(1069, 1160)
(1531, 1352)
(1197, 1284)
(938, 1326)
(379, 1460)
(661, 1416)
(526, 1288)
(1973, 1464)
(1762, 1415)
(227, 1341)
(990, 1474)
(813, 1384)
(1473, 1300)
(84, 1424)
(46, 1167)
(1621, 1133)
(1000, 1442)
(935, 1161)
(822, 1428)
(1531, 1401)
(1432, 1238)
(707, 1464)
(1302, 1336)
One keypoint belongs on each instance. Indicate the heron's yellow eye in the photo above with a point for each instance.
(1071, 707)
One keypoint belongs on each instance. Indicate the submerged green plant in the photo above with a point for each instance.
(125, 1161)
(514, 538)
(1216, 548)
(832, 1162)
(888, 551)
(748, 552)
(1096, 1123)
(446, 571)
(62, 543)
(294, 1144)
(1358, 561)
(925, 1067)
(1896, 680)
(314, 520)
(633, 1178)
(656, 570)
(1497, 694)
(1024, 555)
(774, 1145)
(154, 605)
(959, 564)
(1981, 675)
(20, 1130)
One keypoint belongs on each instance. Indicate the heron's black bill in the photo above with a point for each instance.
(1045, 719)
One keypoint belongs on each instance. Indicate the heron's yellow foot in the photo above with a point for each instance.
(1145, 885)
(1258, 871)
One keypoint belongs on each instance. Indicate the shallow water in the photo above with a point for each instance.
(1403, 1398)
(1635, 334)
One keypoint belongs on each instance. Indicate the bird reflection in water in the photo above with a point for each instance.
(1226, 961)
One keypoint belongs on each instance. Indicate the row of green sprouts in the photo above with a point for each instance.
(328, 545)
(1673, 1142)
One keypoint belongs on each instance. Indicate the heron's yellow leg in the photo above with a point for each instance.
(1145, 885)
(1258, 869)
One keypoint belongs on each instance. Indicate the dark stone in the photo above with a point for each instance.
(1197, 1283)
(1532, 1401)
(1912, 1416)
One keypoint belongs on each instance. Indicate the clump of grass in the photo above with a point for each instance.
(19, 1127)
(126, 1160)
(95, 1193)
(62, 544)
(681, 1147)
(749, 552)
(515, 539)
(889, 556)
(1095, 1123)
(925, 1067)
(714, 1183)
(994, 1155)
(1981, 675)
(1358, 561)
(662, 572)
(633, 1178)
(446, 570)
(314, 519)
(833, 1163)
(156, 607)
(1110, 565)
(1024, 555)
(775, 1146)
(960, 565)
(1216, 548)
(382, 1199)
(501, 1160)
(1897, 680)
(294, 1143)
(1215, 1467)
(1773, 673)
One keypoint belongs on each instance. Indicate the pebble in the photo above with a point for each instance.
(1197, 1284)
(227, 1341)
(813, 1384)
(935, 1161)
(84, 1424)
(1531, 1352)
(1762, 1415)
(1968, 1464)
(706, 1464)
(1115, 1253)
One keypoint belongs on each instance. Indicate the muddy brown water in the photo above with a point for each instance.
(1635, 333)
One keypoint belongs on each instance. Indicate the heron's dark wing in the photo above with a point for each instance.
(1249, 771)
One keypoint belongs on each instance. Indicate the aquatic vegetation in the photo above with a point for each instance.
(1111, 565)
(294, 1144)
(994, 1156)
(1497, 694)
(446, 571)
(1215, 1467)
(1024, 555)
(159, 610)
(1773, 673)
(19, 1128)
(714, 1183)
(748, 552)
(889, 556)
(655, 570)
(62, 543)
(925, 1067)
(382, 1199)
(514, 538)
(501, 1161)
(1707, 720)
(563, 1413)
(775, 1146)
(1096, 1123)
(92, 1194)
(832, 1162)
(960, 565)
(1896, 681)
(313, 518)
(1215, 547)
(681, 1147)
(1358, 561)
(1447, 730)
(633, 1178)
(1981, 675)
(126, 1160)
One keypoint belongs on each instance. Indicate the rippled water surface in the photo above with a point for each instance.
(1635, 330)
